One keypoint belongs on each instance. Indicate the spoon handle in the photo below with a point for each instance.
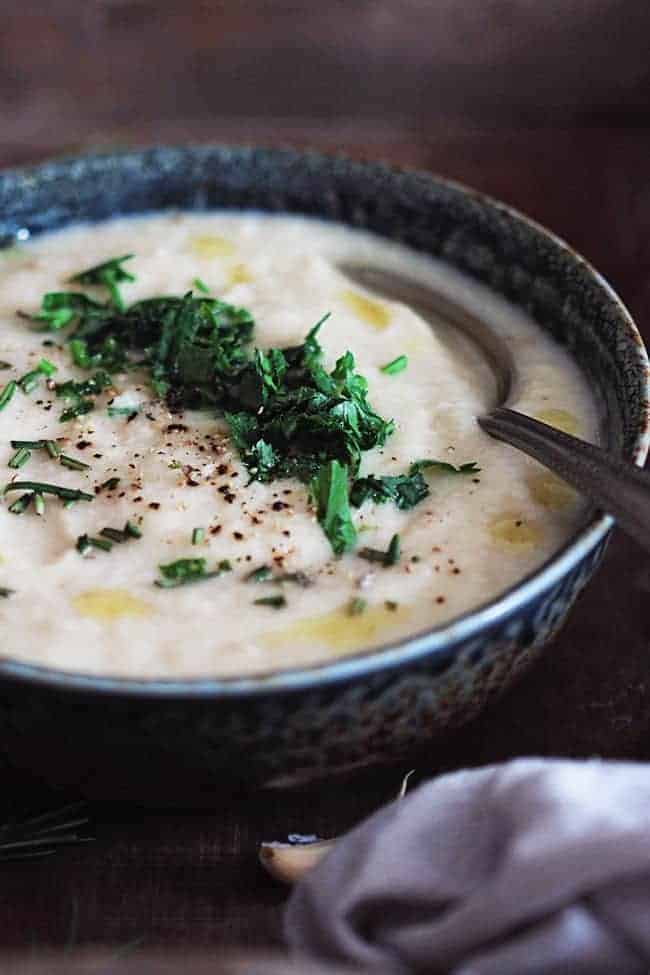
(617, 486)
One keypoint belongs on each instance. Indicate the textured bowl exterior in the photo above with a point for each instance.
(142, 739)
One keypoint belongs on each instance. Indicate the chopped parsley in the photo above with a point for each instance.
(396, 365)
(330, 491)
(405, 490)
(388, 558)
(109, 275)
(288, 416)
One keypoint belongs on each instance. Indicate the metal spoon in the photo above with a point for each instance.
(614, 485)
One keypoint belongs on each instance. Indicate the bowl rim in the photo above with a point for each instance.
(437, 641)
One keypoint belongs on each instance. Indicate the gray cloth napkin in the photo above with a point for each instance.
(530, 868)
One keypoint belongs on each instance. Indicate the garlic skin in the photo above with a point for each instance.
(287, 862)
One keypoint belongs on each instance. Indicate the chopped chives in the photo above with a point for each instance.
(198, 536)
(31, 444)
(39, 503)
(66, 494)
(30, 380)
(114, 535)
(7, 392)
(86, 542)
(73, 464)
(21, 457)
(387, 558)
(132, 530)
(275, 602)
(21, 504)
(262, 574)
(122, 410)
(357, 606)
(52, 448)
(396, 365)
(201, 286)
(183, 572)
(46, 367)
(110, 484)
(79, 409)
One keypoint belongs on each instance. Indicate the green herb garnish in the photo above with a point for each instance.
(444, 468)
(39, 503)
(132, 530)
(122, 410)
(85, 543)
(21, 457)
(110, 484)
(405, 490)
(198, 536)
(396, 365)
(109, 274)
(388, 558)
(7, 392)
(262, 574)
(357, 606)
(66, 494)
(52, 449)
(201, 286)
(31, 379)
(72, 463)
(183, 572)
(30, 444)
(121, 535)
(330, 491)
(275, 602)
(21, 504)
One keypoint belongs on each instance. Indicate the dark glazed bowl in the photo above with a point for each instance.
(140, 739)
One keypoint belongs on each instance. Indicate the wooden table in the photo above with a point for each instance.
(184, 878)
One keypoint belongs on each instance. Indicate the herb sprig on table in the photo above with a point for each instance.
(288, 416)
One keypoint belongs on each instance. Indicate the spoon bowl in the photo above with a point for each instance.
(613, 485)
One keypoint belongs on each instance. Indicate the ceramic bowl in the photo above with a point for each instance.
(114, 737)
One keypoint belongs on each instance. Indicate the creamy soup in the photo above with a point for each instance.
(162, 484)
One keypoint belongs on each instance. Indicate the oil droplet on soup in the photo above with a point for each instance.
(211, 246)
(239, 274)
(109, 604)
(560, 419)
(340, 631)
(551, 492)
(369, 311)
(514, 532)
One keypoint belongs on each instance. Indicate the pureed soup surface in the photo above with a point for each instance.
(277, 594)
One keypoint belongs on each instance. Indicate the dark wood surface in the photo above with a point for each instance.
(553, 121)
